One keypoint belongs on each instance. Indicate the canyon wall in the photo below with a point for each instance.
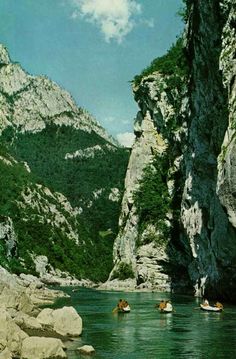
(189, 246)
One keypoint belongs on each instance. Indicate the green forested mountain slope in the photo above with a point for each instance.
(68, 152)
(35, 221)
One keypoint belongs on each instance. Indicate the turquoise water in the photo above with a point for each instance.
(144, 333)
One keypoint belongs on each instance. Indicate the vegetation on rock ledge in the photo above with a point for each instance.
(172, 63)
(152, 199)
(124, 271)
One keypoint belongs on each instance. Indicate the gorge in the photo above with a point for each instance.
(63, 176)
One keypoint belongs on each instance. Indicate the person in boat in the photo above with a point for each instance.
(168, 307)
(119, 307)
(122, 304)
(218, 305)
(162, 305)
(165, 306)
(126, 304)
(205, 303)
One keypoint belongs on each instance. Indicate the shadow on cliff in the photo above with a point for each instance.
(208, 265)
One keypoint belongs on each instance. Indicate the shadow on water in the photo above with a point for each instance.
(144, 333)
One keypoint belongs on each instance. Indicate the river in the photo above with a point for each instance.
(144, 333)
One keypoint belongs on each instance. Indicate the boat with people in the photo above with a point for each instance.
(165, 306)
(122, 307)
(218, 307)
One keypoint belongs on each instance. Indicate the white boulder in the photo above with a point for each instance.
(42, 348)
(11, 336)
(86, 349)
(64, 321)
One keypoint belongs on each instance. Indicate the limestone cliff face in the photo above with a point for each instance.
(207, 226)
(133, 246)
(200, 254)
(8, 235)
(30, 103)
(226, 161)
(146, 144)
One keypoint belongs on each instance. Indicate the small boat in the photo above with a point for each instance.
(122, 307)
(165, 306)
(209, 308)
(166, 310)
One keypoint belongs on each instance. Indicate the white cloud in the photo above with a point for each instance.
(114, 18)
(126, 139)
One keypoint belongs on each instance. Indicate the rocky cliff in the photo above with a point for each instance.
(141, 250)
(177, 227)
(208, 228)
(72, 162)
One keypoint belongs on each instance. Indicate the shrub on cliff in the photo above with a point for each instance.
(172, 63)
(152, 200)
(124, 271)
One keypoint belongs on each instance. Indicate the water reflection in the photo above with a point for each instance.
(165, 320)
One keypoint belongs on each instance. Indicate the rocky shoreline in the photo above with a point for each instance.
(31, 330)
(130, 285)
(26, 330)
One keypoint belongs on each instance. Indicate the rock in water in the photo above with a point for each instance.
(86, 349)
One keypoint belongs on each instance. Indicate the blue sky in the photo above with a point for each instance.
(92, 48)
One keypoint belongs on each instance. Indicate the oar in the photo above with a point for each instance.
(115, 310)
